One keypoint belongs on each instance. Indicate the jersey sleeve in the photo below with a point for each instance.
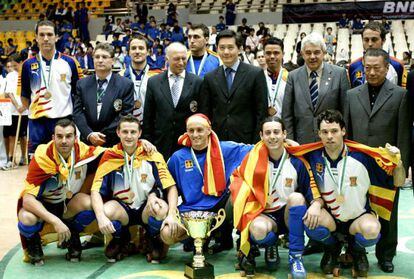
(303, 179)
(23, 84)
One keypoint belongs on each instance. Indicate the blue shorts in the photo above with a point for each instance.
(278, 217)
(134, 214)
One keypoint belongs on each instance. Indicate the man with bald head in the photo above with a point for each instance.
(171, 97)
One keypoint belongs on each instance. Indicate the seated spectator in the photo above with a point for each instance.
(343, 22)
(262, 30)
(11, 48)
(26, 52)
(243, 30)
(153, 32)
(212, 39)
(107, 28)
(252, 40)
(247, 56)
(160, 58)
(357, 26)
(116, 41)
(164, 33)
(330, 41)
(407, 58)
(221, 25)
(260, 60)
(118, 58)
(177, 34)
(386, 24)
(126, 38)
(118, 28)
(1, 49)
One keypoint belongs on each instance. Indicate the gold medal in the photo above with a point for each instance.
(137, 104)
(271, 111)
(69, 195)
(48, 95)
(340, 199)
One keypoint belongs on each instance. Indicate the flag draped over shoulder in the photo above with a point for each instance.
(46, 163)
(113, 159)
(381, 197)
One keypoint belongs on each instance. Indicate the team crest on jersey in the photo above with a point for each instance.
(319, 167)
(77, 175)
(34, 66)
(188, 164)
(353, 181)
(144, 178)
(288, 182)
(358, 74)
(62, 77)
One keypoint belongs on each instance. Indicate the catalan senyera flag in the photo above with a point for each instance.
(214, 173)
(381, 197)
(46, 163)
(113, 159)
(249, 190)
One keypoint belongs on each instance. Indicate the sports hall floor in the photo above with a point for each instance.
(93, 264)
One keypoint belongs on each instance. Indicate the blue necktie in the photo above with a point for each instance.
(313, 88)
(229, 78)
(100, 92)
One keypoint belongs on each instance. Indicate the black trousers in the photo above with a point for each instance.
(387, 245)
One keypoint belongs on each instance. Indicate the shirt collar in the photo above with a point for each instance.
(108, 77)
(318, 71)
(170, 74)
(235, 66)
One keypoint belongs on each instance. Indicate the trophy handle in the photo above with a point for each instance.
(221, 215)
(179, 222)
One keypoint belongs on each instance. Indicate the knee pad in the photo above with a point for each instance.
(321, 234)
(154, 226)
(362, 242)
(29, 231)
(83, 219)
(269, 240)
(118, 228)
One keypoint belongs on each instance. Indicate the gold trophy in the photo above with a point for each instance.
(197, 225)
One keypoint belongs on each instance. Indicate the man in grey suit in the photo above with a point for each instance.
(377, 113)
(311, 89)
(170, 99)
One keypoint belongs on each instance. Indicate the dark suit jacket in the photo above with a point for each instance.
(235, 115)
(298, 112)
(163, 123)
(387, 122)
(85, 106)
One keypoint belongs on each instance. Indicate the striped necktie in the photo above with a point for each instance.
(175, 90)
(313, 88)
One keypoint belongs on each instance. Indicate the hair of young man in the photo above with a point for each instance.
(140, 38)
(375, 26)
(128, 119)
(331, 116)
(229, 34)
(106, 47)
(203, 27)
(377, 53)
(272, 119)
(46, 23)
(274, 41)
(65, 122)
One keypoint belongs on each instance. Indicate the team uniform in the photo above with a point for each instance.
(140, 81)
(201, 66)
(54, 182)
(397, 73)
(276, 91)
(49, 85)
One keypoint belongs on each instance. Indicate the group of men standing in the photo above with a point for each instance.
(217, 110)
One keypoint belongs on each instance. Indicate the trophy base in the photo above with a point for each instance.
(206, 272)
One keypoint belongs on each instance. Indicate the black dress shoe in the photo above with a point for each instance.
(386, 266)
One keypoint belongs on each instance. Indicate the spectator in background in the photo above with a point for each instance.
(164, 33)
(11, 47)
(262, 30)
(243, 30)
(177, 34)
(2, 51)
(252, 41)
(107, 28)
(330, 41)
(89, 57)
(343, 22)
(357, 26)
(171, 14)
(407, 58)
(126, 38)
(116, 41)
(83, 23)
(299, 59)
(386, 24)
(60, 12)
(119, 58)
(153, 32)
(118, 28)
(188, 27)
(230, 12)
(221, 25)
(80, 55)
(160, 58)
(246, 55)
(212, 39)
(50, 12)
(260, 60)
(26, 52)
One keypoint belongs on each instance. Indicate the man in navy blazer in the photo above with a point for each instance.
(170, 99)
(101, 99)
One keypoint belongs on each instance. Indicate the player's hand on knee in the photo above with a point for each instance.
(154, 205)
(171, 222)
(312, 216)
(105, 225)
(62, 231)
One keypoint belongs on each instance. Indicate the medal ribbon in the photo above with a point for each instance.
(273, 102)
(71, 169)
(47, 85)
(196, 162)
(203, 61)
(328, 166)
(129, 167)
(278, 171)
(141, 76)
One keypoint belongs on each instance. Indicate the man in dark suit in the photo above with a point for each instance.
(311, 89)
(376, 114)
(170, 99)
(234, 95)
(101, 99)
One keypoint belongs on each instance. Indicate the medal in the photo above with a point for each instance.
(271, 111)
(47, 95)
(137, 104)
(69, 195)
(340, 199)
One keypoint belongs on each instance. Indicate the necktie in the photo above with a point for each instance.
(175, 90)
(313, 88)
(229, 78)
(100, 92)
